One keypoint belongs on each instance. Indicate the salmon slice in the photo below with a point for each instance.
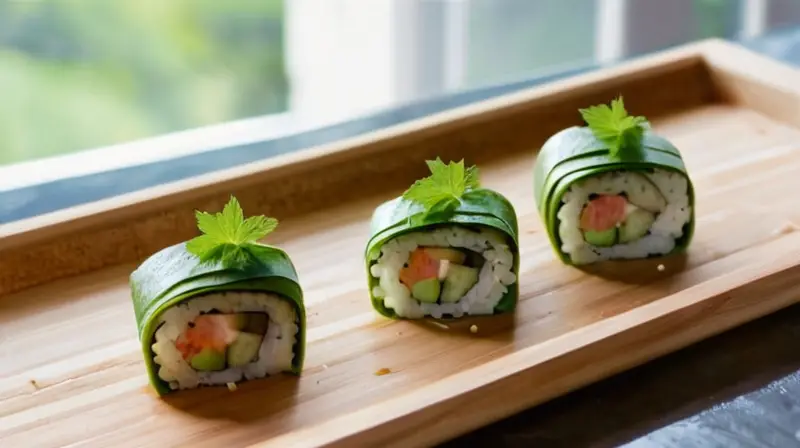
(603, 213)
(207, 331)
(421, 266)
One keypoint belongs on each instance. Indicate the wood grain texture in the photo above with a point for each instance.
(71, 369)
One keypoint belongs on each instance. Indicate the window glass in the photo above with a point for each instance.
(509, 39)
(782, 14)
(655, 24)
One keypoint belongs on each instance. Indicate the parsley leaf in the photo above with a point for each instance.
(614, 127)
(441, 191)
(227, 235)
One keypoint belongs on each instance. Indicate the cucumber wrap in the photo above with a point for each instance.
(174, 275)
(575, 154)
(478, 208)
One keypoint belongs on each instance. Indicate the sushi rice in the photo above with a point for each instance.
(494, 278)
(660, 238)
(274, 355)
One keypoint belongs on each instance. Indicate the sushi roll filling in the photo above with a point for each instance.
(610, 219)
(441, 274)
(448, 271)
(214, 341)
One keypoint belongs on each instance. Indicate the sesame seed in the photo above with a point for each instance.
(661, 267)
(473, 329)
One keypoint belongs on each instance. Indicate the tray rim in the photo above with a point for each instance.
(715, 52)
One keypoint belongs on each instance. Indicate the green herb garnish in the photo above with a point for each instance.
(441, 192)
(227, 236)
(614, 127)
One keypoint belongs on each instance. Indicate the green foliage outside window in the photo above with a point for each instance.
(79, 74)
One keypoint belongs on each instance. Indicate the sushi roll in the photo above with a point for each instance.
(445, 248)
(613, 190)
(220, 308)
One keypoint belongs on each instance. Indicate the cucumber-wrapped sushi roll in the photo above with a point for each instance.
(613, 190)
(220, 308)
(445, 248)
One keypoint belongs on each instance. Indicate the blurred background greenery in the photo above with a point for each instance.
(83, 74)
(87, 73)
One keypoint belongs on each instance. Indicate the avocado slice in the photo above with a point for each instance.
(601, 238)
(208, 360)
(644, 194)
(427, 290)
(636, 225)
(244, 349)
(459, 280)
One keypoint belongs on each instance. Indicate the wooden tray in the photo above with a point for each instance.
(72, 372)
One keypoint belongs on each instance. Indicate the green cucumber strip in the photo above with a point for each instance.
(173, 276)
(580, 142)
(399, 214)
(478, 208)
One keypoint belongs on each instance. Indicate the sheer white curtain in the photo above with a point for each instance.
(344, 56)
(349, 57)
